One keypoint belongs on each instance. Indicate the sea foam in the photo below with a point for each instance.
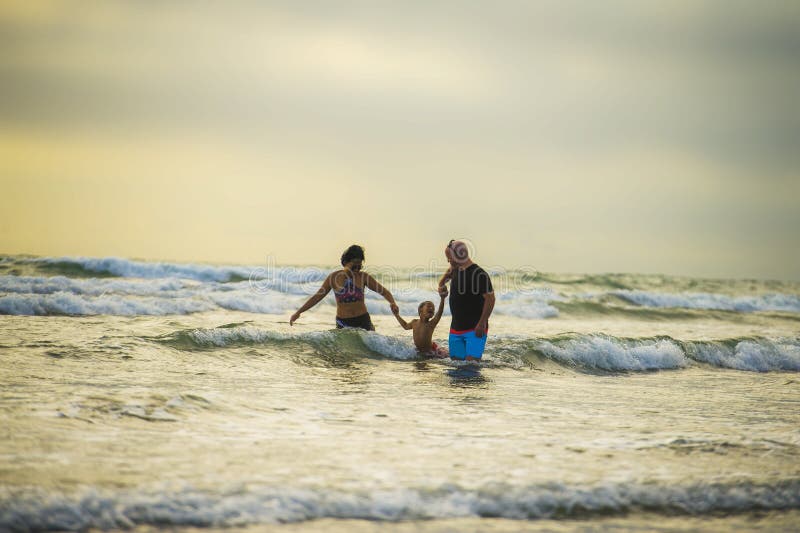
(39, 510)
(66, 303)
(146, 269)
(331, 342)
(92, 287)
(745, 304)
(755, 355)
(608, 353)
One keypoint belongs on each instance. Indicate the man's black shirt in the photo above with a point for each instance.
(467, 288)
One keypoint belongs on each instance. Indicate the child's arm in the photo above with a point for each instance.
(438, 315)
(403, 323)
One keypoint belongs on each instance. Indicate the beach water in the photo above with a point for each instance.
(142, 395)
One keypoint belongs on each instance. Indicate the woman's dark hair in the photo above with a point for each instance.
(354, 252)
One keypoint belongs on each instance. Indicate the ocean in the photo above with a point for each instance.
(144, 395)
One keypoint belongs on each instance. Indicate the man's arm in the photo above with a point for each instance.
(443, 280)
(439, 311)
(488, 306)
(485, 287)
(373, 284)
(314, 300)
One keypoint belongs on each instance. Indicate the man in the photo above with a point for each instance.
(471, 303)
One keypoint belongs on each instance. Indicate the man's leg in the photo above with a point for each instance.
(458, 346)
(474, 346)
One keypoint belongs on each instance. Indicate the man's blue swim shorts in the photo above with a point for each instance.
(464, 344)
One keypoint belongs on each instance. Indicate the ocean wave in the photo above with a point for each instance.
(91, 287)
(66, 303)
(602, 352)
(532, 303)
(103, 303)
(529, 310)
(255, 302)
(613, 354)
(742, 304)
(332, 342)
(577, 351)
(93, 508)
(127, 268)
(613, 281)
(47, 295)
(284, 277)
(59, 295)
(279, 289)
(233, 336)
(755, 355)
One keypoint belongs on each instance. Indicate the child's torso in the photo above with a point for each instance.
(423, 335)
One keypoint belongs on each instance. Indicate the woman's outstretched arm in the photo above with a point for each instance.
(314, 300)
(373, 284)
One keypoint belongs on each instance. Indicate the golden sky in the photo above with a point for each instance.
(620, 136)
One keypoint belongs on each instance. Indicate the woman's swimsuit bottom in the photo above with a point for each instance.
(361, 321)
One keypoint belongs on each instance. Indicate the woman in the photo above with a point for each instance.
(348, 287)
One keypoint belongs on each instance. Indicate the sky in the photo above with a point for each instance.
(564, 136)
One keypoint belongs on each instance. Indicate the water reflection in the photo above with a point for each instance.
(422, 366)
(467, 376)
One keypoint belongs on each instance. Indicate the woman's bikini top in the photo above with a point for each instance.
(349, 293)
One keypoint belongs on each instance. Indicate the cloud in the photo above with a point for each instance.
(583, 118)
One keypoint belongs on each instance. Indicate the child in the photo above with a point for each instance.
(423, 329)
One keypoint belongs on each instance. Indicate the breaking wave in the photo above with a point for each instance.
(582, 352)
(333, 342)
(65, 303)
(128, 268)
(39, 510)
(73, 286)
(602, 352)
(758, 355)
(607, 353)
(61, 295)
(742, 304)
(128, 299)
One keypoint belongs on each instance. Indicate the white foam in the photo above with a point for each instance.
(530, 309)
(37, 510)
(62, 295)
(391, 347)
(279, 285)
(92, 287)
(401, 348)
(753, 355)
(228, 336)
(607, 353)
(700, 300)
(531, 304)
(65, 303)
(146, 269)
(253, 302)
